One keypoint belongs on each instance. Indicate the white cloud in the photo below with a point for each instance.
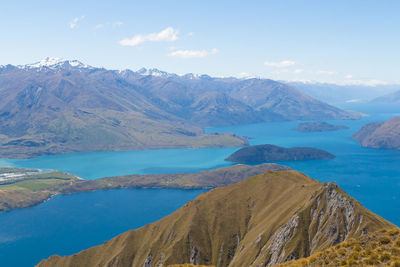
(349, 76)
(245, 75)
(366, 82)
(298, 71)
(74, 22)
(280, 71)
(190, 34)
(118, 24)
(167, 35)
(99, 26)
(281, 64)
(326, 72)
(193, 53)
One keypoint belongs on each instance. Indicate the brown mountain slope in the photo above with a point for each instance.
(264, 220)
(381, 248)
(380, 134)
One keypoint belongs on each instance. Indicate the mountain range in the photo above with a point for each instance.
(57, 106)
(265, 220)
(342, 93)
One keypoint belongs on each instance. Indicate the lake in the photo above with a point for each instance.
(67, 224)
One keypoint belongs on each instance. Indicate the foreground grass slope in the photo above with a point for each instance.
(268, 219)
(381, 248)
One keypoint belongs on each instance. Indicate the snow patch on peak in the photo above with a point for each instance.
(154, 72)
(55, 63)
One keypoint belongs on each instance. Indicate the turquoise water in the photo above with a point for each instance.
(67, 224)
(93, 165)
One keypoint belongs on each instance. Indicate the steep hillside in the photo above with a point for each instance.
(265, 220)
(381, 248)
(380, 134)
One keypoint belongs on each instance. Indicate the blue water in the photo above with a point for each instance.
(94, 165)
(67, 224)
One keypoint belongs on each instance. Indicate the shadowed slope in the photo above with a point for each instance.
(264, 220)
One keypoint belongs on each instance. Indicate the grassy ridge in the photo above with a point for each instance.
(264, 220)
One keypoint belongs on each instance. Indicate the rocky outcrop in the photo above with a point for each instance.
(265, 220)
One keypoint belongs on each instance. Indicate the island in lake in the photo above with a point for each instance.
(380, 134)
(318, 126)
(268, 153)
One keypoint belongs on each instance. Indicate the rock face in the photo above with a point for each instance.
(269, 153)
(58, 106)
(318, 127)
(380, 134)
(267, 219)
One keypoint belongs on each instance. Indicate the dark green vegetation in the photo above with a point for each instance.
(268, 153)
(381, 248)
(69, 108)
(265, 220)
(380, 134)
(318, 126)
(33, 190)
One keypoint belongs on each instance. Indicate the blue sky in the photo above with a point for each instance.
(331, 41)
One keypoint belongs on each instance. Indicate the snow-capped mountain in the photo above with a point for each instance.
(55, 64)
(154, 72)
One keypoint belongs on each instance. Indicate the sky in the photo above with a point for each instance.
(341, 41)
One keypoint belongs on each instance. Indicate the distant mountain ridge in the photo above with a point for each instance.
(342, 93)
(393, 98)
(58, 106)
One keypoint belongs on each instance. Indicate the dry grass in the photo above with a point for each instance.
(228, 226)
(381, 248)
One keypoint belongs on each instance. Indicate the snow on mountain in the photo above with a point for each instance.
(154, 72)
(55, 64)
